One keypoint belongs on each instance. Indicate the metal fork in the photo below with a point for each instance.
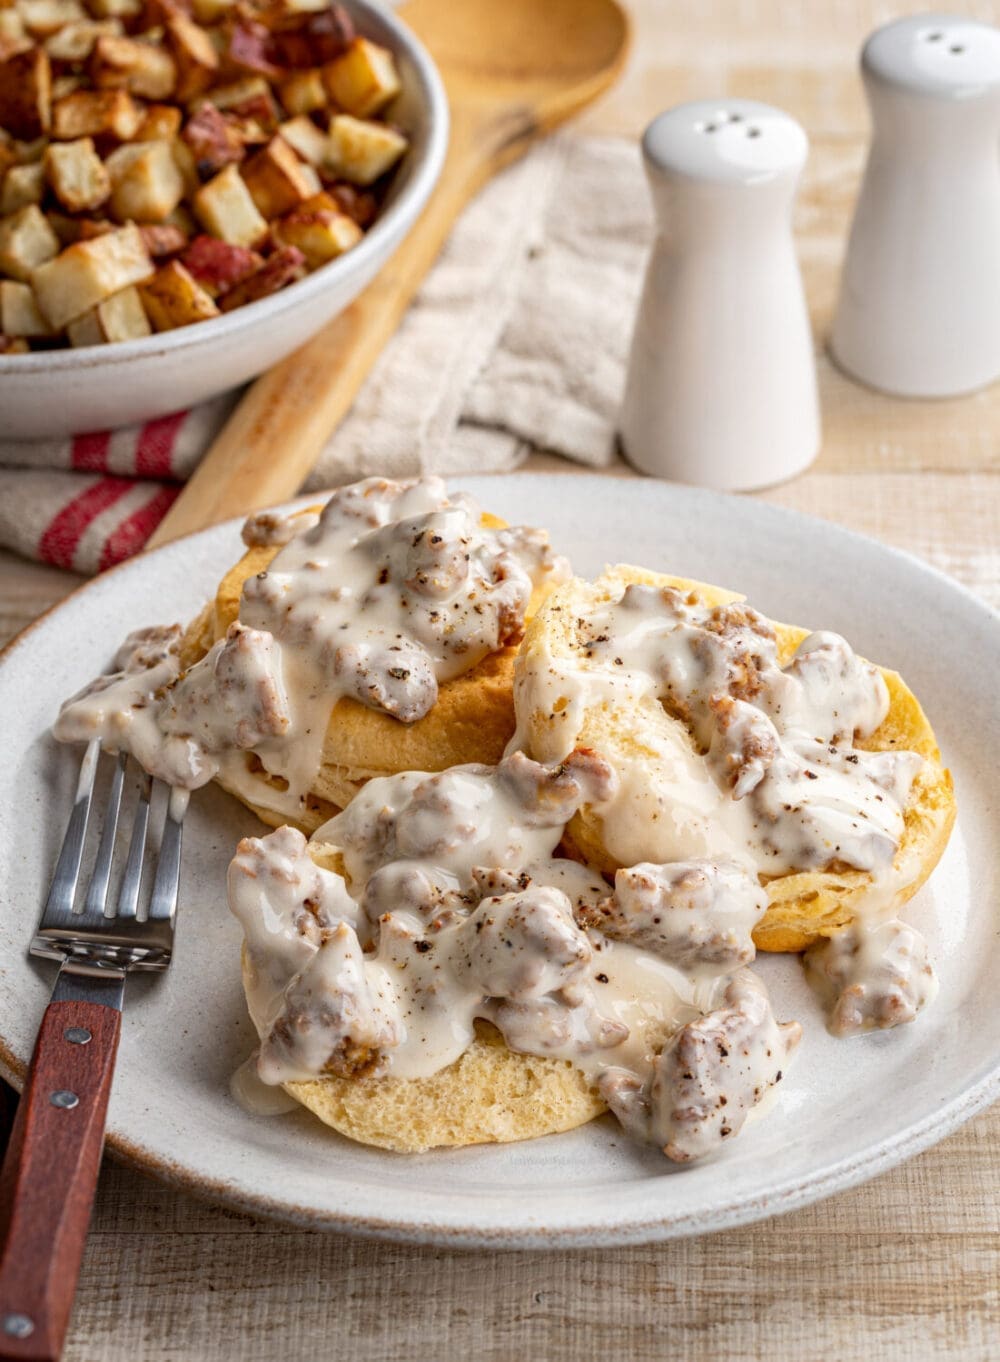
(49, 1175)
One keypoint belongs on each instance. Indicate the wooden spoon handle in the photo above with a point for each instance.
(49, 1176)
(272, 441)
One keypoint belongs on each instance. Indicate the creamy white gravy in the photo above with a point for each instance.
(433, 900)
(759, 763)
(392, 589)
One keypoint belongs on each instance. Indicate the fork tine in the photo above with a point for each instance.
(163, 901)
(128, 894)
(62, 891)
(97, 891)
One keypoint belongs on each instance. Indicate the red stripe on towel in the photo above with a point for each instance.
(155, 447)
(89, 453)
(58, 542)
(129, 537)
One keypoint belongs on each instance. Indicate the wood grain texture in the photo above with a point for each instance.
(903, 1269)
(49, 1174)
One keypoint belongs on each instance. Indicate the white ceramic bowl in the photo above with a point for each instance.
(99, 387)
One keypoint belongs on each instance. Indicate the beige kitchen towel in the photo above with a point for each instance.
(517, 340)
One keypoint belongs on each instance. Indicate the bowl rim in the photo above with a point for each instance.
(383, 236)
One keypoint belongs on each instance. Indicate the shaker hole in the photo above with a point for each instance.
(753, 132)
(957, 48)
(735, 118)
(933, 37)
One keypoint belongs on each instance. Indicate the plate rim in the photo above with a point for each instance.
(778, 1200)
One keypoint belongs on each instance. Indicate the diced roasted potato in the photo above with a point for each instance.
(303, 136)
(27, 153)
(22, 185)
(356, 203)
(121, 317)
(163, 239)
(250, 102)
(26, 240)
(285, 266)
(82, 276)
(139, 67)
(217, 265)
(19, 314)
(66, 85)
(173, 298)
(277, 179)
(146, 185)
(225, 208)
(26, 93)
(238, 92)
(196, 58)
(114, 9)
(213, 141)
(77, 174)
(75, 42)
(303, 92)
(364, 79)
(159, 120)
(360, 151)
(45, 17)
(13, 34)
(211, 11)
(321, 235)
(92, 113)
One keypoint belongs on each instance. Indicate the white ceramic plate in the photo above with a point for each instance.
(848, 1109)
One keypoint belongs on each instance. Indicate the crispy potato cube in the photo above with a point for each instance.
(22, 185)
(213, 141)
(139, 67)
(196, 58)
(114, 9)
(209, 12)
(159, 121)
(276, 179)
(92, 113)
(225, 208)
(13, 35)
(303, 136)
(28, 153)
(173, 298)
(363, 80)
(121, 317)
(251, 101)
(77, 174)
(26, 240)
(146, 184)
(319, 234)
(82, 276)
(285, 266)
(19, 314)
(66, 85)
(361, 151)
(75, 42)
(217, 266)
(163, 239)
(26, 93)
(45, 17)
(303, 92)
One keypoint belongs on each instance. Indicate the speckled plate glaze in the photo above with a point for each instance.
(848, 1109)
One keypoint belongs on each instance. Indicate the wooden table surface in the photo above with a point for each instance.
(907, 1267)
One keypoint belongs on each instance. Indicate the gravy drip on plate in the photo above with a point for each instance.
(758, 763)
(393, 589)
(434, 900)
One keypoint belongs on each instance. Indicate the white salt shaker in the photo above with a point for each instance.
(919, 310)
(721, 388)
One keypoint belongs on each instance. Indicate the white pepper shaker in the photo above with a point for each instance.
(919, 309)
(721, 388)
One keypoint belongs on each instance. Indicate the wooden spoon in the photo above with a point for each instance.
(513, 69)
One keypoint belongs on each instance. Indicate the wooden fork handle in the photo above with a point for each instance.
(49, 1175)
